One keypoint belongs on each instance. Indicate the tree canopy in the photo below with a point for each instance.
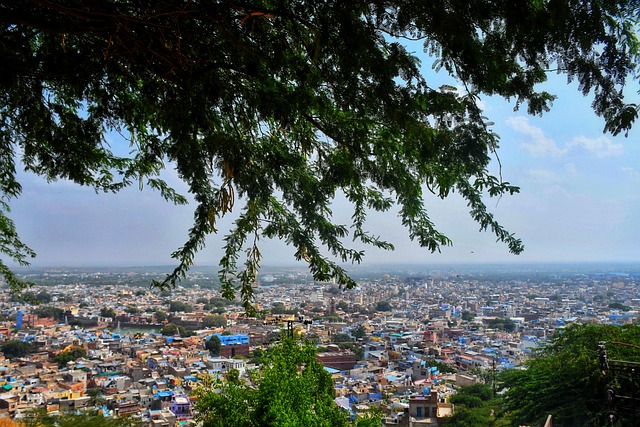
(291, 389)
(287, 104)
(15, 348)
(214, 321)
(40, 418)
(69, 355)
(475, 406)
(565, 378)
(213, 345)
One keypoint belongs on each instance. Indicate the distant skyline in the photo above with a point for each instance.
(579, 202)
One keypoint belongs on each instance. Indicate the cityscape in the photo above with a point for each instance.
(402, 342)
(162, 165)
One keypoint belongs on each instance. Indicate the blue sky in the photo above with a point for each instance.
(579, 201)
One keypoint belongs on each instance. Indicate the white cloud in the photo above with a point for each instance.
(571, 169)
(601, 146)
(543, 175)
(631, 172)
(540, 145)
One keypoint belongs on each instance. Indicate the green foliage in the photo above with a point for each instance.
(333, 290)
(169, 330)
(214, 321)
(132, 309)
(476, 407)
(285, 105)
(107, 312)
(219, 302)
(481, 391)
(96, 397)
(24, 297)
(466, 400)
(467, 316)
(504, 324)
(359, 332)
(218, 305)
(172, 329)
(383, 306)
(213, 345)
(40, 418)
(619, 306)
(465, 416)
(48, 311)
(257, 356)
(442, 367)
(179, 306)
(279, 308)
(43, 297)
(565, 380)
(15, 348)
(343, 305)
(160, 316)
(69, 355)
(339, 338)
(291, 389)
(355, 348)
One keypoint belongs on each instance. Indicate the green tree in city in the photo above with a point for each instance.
(69, 355)
(467, 316)
(160, 316)
(179, 306)
(291, 389)
(343, 305)
(43, 297)
(277, 108)
(475, 406)
(169, 329)
(40, 418)
(383, 306)
(96, 396)
(43, 311)
(504, 324)
(172, 329)
(340, 338)
(107, 312)
(355, 348)
(257, 356)
(279, 308)
(619, 306)
(442, 367)
(24, 297)
(14, 348)
(214, 345)
(359, 332)
(564, 378)
(214, 321)
(132, 309)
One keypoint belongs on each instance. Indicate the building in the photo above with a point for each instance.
(340, 360)
(234, 345)
(428, 411)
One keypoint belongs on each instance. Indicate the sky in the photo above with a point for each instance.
(579, 202)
